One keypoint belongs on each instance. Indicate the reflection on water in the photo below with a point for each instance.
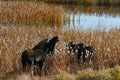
(77, 17)
(94, 18)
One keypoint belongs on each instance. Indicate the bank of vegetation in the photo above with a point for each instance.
(15, 39)
(30, 13)
(85, 2)
(80, 2)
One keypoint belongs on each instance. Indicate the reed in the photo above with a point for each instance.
(31, 13)
(15, 39)
(85, 2)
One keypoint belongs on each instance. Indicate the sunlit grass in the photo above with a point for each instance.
(85, 2)
(105, 74)
(15, 39)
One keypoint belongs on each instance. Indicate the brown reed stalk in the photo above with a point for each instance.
(14, 40)
(30, 12)
(85, 2)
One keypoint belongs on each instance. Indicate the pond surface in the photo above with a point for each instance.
(91, 17)
(88, 17)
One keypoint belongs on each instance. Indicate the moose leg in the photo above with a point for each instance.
(24, 63)
(41, 64)
(92, 59)
(32, 67)
(24, 60)
(78, 57)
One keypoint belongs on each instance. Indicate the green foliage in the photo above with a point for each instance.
(107, 74)
(115, 73)
(84, 76)
(62, 76)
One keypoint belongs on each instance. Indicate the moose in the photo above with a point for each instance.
(82, 51)
(38, 54)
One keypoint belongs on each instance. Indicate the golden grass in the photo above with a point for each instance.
(88, 74)
(105, 74)
(30, 12)
(15, 39)
(85, 2)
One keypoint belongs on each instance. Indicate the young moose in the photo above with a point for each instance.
(82, 51)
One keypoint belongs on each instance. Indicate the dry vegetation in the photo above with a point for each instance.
(15, 39)
(35, 13)
(85, 2)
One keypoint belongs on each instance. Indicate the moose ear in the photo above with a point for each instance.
(71, 42)
(57, 38)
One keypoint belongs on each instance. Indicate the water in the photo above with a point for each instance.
(93, 18)
(85, 18)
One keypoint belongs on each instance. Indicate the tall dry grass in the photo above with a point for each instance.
(14, 40)
(85, 2)
(30, 12)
